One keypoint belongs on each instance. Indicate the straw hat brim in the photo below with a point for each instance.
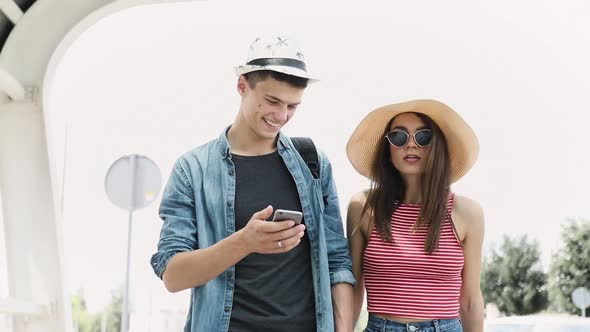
(461, 140)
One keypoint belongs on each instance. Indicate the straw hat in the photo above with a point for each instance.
(462, 142)
(275, 53)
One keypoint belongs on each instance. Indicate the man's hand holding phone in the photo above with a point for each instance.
(275, 237)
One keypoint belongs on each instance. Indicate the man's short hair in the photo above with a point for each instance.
(254, 77)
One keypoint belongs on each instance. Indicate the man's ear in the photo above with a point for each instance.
(242, 85)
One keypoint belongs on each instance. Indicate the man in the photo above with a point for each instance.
(246, 273)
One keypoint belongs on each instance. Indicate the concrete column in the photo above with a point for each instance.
(33, 235)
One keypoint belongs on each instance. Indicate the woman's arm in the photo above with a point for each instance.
(470, 214)
(356, 226)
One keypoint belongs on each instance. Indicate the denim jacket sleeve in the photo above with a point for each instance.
(340, 264)
(177, 211)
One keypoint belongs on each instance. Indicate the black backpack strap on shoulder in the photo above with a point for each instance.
(309, 153)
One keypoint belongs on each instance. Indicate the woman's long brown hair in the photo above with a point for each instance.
(388, 188)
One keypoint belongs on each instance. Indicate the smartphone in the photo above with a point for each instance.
(281, 215)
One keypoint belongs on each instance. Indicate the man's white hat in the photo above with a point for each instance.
(277, 53)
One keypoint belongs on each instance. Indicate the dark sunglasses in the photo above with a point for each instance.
(399, 138)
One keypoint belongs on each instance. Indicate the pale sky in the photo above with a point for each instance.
(158, 80)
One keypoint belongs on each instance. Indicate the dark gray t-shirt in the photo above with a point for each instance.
(273, 292)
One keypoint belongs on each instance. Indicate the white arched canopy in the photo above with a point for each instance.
(37, 299)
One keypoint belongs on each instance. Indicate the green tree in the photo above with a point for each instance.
(570, 266)
(114, 312)
(86, 322)
(512, 277)
(82, 319)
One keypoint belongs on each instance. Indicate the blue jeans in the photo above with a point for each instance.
(377, 324)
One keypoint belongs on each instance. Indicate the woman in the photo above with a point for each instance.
(416, 247)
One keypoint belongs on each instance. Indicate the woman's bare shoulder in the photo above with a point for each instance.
(469, 212)
(359, 198)
(356, 219)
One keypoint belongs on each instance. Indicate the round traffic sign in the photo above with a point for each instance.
(133, 182)
(581, 297)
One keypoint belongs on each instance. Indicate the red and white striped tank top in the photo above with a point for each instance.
(403, 280)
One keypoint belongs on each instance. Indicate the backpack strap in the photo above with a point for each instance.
(309, 153)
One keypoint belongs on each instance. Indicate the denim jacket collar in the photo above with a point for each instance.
(225, 149)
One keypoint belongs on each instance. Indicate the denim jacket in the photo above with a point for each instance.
(197, 209)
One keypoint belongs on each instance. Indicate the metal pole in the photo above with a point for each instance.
(125, 311)
(103, 321)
